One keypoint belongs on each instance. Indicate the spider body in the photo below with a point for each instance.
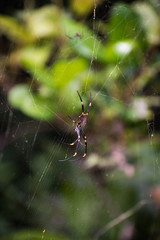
(77, 35)
(78, 129)
(83, 119)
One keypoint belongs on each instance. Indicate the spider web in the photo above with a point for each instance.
(28, 136)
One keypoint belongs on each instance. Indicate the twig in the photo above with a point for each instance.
(121, 218)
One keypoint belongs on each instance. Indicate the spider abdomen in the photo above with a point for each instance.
(83, 120)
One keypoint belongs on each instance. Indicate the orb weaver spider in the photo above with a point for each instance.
(78, 129)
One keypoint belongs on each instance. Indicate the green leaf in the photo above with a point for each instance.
(14, 30)
(64, 71)
(57, 76)
(43, 22)
(33, 59)
(72, 27)
(89, 47)
(82, 7)
(31, 104)
(150, 21)
(120, 50)
(34, 55)
(124, 24)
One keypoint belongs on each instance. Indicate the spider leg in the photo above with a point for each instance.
(90, 103)
(72, 119)
(78, 130)
(71, 144)
(81, 102)
(71, 159)
(77, 147)
(74, 155)
(66, 159)
(85, 143)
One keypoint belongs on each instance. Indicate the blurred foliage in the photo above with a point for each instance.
(47, 53)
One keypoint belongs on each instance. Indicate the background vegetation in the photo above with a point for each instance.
(48, 50)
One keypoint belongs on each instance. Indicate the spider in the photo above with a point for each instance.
(76, 35)
(78, 129)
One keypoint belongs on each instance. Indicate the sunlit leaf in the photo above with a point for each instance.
(82, 7)
(150, 21)
(90, 48)
(37, 56)
(33, 59)
(43, 22)
(14, 30)
(32, 104)
(119, 50)
(63, 71)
